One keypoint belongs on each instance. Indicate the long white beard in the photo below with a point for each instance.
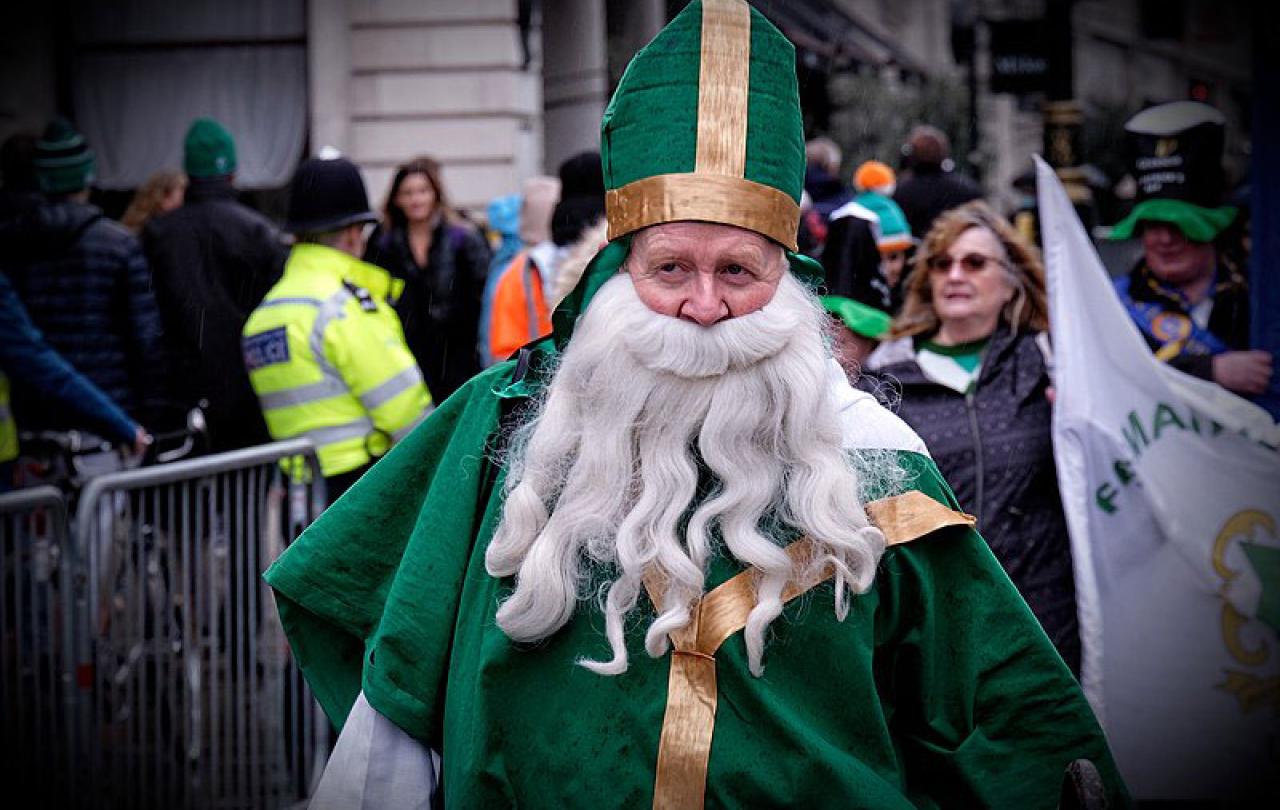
(601, 477)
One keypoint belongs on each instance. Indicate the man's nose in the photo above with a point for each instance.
(704, 306)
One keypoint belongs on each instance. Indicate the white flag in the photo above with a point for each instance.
(1171, 487)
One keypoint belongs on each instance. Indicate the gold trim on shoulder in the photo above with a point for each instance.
(684, 748)
(706, 198)
(723, 82)
(912, 515)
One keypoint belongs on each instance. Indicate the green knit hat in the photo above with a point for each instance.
(895, 233)
(861, 319)
(705, 125)
(209, 150)
(63, 161)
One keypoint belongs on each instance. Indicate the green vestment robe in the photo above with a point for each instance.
(939, 689)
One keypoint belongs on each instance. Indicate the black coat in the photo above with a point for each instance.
(440, 306)
(925, 193)
(83, 280)
(213, 260)
(851, 263)
(995, 449)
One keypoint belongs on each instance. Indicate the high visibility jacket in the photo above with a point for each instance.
(519, 313)
(327, 358)
(8, 430)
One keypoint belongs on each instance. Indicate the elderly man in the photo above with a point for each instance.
(668, 556)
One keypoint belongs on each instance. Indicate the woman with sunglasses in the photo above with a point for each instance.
(971, 354)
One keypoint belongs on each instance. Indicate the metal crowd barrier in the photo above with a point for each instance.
(175, 681)
(36, 688)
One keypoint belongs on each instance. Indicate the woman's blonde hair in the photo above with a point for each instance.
(147, 199)
(1029, 306)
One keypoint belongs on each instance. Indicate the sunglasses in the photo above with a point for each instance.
(971, 262)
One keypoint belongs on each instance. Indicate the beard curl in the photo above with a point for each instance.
(601, 479)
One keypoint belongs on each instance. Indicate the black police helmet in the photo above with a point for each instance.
(327, 194)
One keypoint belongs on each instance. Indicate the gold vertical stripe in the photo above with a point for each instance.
(723, 83)
(684, 748)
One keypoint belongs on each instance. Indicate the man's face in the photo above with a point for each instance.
(1172, 257)
(703, 272)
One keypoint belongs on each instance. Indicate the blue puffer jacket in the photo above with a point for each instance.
(33, 366)
(84, 281)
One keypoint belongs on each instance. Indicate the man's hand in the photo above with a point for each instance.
(1243, 372)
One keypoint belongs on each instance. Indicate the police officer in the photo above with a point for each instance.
(325, 351)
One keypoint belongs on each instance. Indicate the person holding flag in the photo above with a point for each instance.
(1188, 295)
(1170, 488)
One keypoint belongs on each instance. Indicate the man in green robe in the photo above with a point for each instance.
(668, 557)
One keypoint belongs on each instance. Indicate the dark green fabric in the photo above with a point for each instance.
(939, 688)
(861, 319)
(775, 129)
(209, 150)
(651, 124)
(966, 355)
(1197, 223)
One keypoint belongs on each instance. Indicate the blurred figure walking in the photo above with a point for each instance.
(325, 350)
(442, 261)
(526, 292)
(212, 260)
(84, 281)
(28, 362)
(930, 185)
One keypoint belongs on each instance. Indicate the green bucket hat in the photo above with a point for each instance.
(705, 125)
(861, 319)
(209, 150)
(1197, 223)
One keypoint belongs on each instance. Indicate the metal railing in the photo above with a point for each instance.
(176, 684)
(36, 647)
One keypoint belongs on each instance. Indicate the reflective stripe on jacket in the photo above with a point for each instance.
(8, 430)
(516, 317)
(327, 358)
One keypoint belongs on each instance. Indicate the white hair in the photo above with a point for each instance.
(605, 474)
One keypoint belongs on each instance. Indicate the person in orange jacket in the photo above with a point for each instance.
(521, 310)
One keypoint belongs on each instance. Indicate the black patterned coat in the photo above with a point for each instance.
(995, 448)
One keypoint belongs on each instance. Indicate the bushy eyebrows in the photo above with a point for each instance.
(662, 251)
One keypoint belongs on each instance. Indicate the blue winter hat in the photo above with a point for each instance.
(504, 215)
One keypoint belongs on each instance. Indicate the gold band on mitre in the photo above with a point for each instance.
(716, 190)
(705, 198)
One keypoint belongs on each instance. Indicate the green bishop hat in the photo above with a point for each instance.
(705, 125)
